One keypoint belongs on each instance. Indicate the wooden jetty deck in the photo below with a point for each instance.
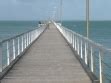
(48, 60)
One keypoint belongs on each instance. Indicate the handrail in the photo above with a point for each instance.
(16, 35)
(22, 33)
(95, 56)
(13, 47)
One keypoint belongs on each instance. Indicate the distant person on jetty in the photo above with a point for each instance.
(39, 22)
(48, 25)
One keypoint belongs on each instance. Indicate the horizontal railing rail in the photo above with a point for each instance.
(13, 47)
(95, 56)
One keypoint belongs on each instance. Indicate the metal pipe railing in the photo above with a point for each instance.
(96, 57)
(13, 47)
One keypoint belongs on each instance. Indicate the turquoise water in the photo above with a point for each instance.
(12, 28)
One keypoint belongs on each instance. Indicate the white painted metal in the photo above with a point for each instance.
(86, 55)
(25, 40)
(78, 45)
(16, 45)
(81, 49)
(8, 57)
(1, 57)
(75, 43)
(22, 43)
(29, 37)
(100, 66)
(92, 61)
(13, 49)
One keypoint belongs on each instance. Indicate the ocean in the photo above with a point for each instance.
(11, 28)
(99, 31)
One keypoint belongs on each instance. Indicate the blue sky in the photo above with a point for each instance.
(42, 9)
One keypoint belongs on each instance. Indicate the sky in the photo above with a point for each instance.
(45, 9)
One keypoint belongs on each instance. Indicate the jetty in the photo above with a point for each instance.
(50, 54)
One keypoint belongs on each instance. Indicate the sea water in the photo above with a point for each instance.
(11, 28)
(99, 31)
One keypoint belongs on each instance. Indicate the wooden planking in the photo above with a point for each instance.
(49, 60)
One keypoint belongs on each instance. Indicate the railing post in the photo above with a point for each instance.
(67, 36)
(81, 50)
(64, 32)
(29, 37)
(13, 49)
(100, 66)
(18, 46)
(22, 43)
(72, 40)
(78, 45)
(86, 54)
(8, 56)
(92, 65)
(75, 43)
(34, 35)
(1, 57)
(25, 38)
(70, 37)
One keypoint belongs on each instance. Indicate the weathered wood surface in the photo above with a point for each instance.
(49, 60)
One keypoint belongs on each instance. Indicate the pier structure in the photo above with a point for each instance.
(53, 54)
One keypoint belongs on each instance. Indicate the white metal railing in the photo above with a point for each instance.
(96, 57)
(13, 47)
